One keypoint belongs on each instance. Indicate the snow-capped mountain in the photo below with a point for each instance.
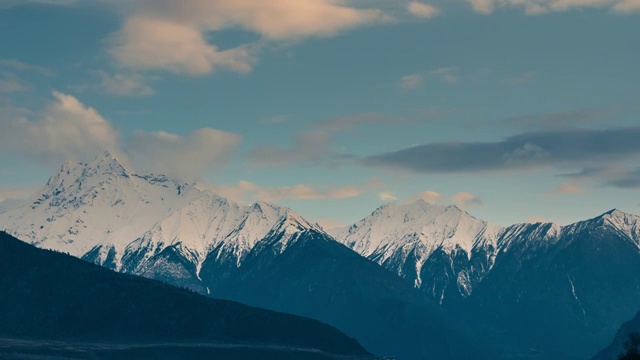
(130, 222)
(261, 254)
(447, 253)
(440, 249)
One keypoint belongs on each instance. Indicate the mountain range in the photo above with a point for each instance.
(539, 290)
(410, 280)
(260, 254)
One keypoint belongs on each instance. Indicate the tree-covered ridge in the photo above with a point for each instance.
(48, 295)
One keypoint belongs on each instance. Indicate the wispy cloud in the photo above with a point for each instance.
(465, 199)
(449, 75)
(10, 83)
(537, 7)
(305, 147)
(422, 10)
(246, 191)
(126, 85)
(569, 188)
(22, 66)
(462, 199)
(387, 196)
(411, 81)
(569, 118)
(315, 146)
(342, 123)
(9, 3)
(181, 157)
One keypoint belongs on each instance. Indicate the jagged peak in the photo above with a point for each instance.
(619, 219)
(613, 216)
(108, 162)
(105, 155)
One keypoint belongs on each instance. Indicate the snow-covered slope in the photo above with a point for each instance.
(142, 223)
(435, 247)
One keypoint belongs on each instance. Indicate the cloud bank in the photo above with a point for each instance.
(174, 35)
(561, 149)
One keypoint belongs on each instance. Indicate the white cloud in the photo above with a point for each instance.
(66, 130)
(464, 199)
(535, 7)
(274, 19)
(430, 197)
(174, 35)
(387, 196)
(70, 130)
(411, 81)
(626, 6)
(159, 44)
(482, 6)
(422, 10)
(131, 85)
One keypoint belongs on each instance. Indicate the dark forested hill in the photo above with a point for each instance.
(53, 296)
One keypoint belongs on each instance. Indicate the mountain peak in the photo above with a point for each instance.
(104, 157)
(615, 212)
(618, 217)
(621, 222)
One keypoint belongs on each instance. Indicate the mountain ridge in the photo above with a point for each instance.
(135, 217)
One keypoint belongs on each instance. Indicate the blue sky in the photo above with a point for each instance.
(513, 110)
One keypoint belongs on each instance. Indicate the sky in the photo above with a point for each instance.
(514, 110)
